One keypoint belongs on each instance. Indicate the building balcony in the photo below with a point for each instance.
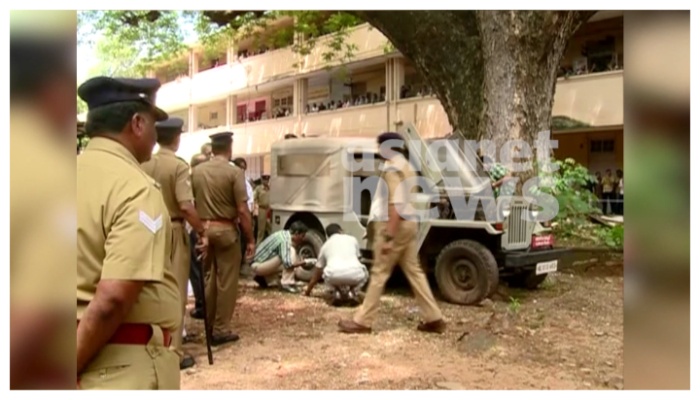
(595, 99)
(217, 83)
(367, 42)
(175, 95)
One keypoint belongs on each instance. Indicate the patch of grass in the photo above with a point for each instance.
(513, 305)
(548, 284)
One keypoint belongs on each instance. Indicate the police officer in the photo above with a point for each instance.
(242, 164)
(395, 230)
(195, 258)
(204, 154)
(261, 195)
(221, 199)
(41, 200)
(173, 175)
(128, 303)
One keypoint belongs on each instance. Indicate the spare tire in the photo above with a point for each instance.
(466, 272)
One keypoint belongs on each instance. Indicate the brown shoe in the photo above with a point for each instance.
(350, 326)
(438, 326)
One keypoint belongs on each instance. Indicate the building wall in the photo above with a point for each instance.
(577, 145)
(211, 115)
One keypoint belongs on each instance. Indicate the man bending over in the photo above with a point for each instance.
(277, 254)
(339, 265)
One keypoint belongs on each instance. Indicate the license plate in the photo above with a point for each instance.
(546, 267)
(542, 241)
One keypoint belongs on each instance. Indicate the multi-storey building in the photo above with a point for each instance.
(263, 95)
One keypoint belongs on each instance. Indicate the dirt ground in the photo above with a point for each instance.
(566, 335)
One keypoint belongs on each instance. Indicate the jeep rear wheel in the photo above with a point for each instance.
(466, 272)
(310, 247)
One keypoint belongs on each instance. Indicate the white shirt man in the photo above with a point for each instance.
(249, 190)
(339, 265)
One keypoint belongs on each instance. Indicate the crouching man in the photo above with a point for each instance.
(277, 254)
(339, 265)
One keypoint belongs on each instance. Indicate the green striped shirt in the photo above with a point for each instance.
(497, 172)
(277, 244)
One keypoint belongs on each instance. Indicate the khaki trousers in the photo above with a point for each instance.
(262, 224)
(133, 367)
(221, 276)
(271, 269)
(180, 259)
(404, 252)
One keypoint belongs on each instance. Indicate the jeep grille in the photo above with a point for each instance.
(516, 235)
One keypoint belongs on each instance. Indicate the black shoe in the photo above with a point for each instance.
(187, 362)
(197, 313)
(261, 281)
(219, 340)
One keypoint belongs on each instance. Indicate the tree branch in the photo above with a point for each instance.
(445, 48)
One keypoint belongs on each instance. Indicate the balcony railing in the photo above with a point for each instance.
(367, 42)
(594, 99)
(175, 95)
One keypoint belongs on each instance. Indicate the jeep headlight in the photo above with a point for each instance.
(505, 210)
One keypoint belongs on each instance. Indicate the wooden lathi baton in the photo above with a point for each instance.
(207, 324)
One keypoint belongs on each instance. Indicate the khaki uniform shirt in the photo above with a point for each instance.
(43, 232)
(124, 233)
(262, 196)
(173, 175)
(391, 189)
(218, 187)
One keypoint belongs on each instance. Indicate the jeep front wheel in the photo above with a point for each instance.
(466, 272)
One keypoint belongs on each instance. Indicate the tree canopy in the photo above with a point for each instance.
(148, 39)
(494, 72)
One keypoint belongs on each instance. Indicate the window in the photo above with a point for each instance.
(303, 165)
(213, 116)
(602, 146)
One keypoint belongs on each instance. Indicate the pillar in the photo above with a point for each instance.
(194, 63)
(231, 110)
(192, 119)
(389, 79)
(396, 76)
(231, 52)
(301, 95)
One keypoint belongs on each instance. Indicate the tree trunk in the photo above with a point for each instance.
(494, 72)
(445, 48)
(522, 51)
